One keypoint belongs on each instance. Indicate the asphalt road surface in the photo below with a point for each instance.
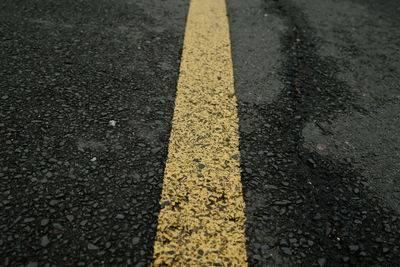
(87, 96)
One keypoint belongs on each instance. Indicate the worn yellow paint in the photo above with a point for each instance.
(202, 219)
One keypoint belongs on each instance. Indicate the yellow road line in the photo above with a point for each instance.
(202, 219)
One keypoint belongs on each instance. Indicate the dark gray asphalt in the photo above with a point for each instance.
(318, 86)
(319, 106)
(76, 190)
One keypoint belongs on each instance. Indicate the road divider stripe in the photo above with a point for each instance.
(202, 220)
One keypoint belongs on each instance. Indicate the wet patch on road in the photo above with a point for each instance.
(255, 36)
(362, 37)
(303, 207)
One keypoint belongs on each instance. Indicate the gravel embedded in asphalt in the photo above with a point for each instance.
(307, 208)
(87, 96)
(87, 91)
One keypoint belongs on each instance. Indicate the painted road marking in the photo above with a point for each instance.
(202, 219)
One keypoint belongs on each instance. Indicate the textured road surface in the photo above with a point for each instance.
(87, 91)
(320, 150)
(76, 190)
(202, 218)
